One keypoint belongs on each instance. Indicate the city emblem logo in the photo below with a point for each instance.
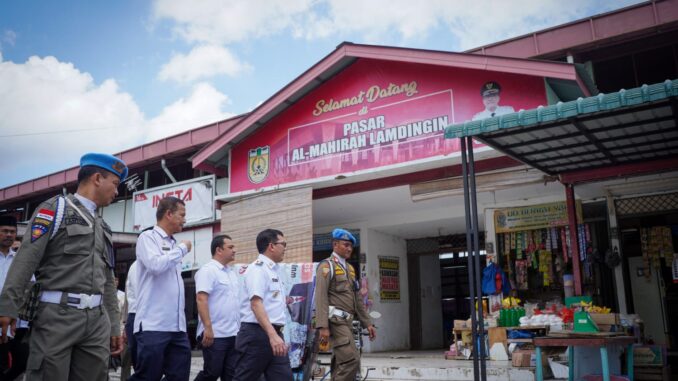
(258, 164)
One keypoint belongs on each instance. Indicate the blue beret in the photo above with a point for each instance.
(343, 235)
(107, 162)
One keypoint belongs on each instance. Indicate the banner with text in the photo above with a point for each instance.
(375, 114)
(533, 217)
(197, 194)
(389, 279)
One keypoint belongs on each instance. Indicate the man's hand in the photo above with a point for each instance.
(278, 345)
(324, 335)
(207, 337)
(372, 331)
(116, 345)
(188, 244)
(7, 323)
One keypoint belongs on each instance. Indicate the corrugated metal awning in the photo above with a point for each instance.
(626, 127)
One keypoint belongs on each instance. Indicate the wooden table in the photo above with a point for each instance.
(601, 342)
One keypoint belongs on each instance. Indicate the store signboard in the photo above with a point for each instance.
(374, 114)
(533, 217)
(197, 194)
(389, 279)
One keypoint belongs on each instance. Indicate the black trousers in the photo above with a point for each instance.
(255, 356)
(17, 348)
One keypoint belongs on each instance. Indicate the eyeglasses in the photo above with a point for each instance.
(284, 244)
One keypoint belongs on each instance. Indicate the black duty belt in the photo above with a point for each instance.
(278, 327)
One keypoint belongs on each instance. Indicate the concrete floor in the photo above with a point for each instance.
(412, 365)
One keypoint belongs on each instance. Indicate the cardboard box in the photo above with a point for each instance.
(605, 319)
(527, 358)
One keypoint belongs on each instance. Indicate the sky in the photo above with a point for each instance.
(105, 76)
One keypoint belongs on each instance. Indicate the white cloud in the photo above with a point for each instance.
(468, 24)
(227, 21)
(8, 37)
(204, 105)
(203, 61)
(51, 113)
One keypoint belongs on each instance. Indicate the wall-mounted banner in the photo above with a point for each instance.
(375, 114)
(533, 217)
(197, 194)
(389, 279)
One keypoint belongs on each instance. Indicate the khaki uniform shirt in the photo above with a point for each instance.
(77, 259)
(337, 290)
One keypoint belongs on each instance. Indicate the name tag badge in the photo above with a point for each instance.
(274, 279)
(165, 248)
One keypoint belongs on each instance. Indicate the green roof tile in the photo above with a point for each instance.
(564, 110)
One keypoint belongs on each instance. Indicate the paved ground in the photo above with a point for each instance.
(411, 365)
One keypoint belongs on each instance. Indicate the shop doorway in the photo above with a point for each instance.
(651, 292)
(648, 299)
(438, 269)
(649, 240)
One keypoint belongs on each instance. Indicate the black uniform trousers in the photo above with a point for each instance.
(16, 349)
(255, 356)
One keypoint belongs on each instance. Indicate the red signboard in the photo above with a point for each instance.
(372, 115)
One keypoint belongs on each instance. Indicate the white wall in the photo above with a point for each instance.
(120, 216)
(431, 305)
(393, 328)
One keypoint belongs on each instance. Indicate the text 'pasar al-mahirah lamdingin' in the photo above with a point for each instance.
(368, 133)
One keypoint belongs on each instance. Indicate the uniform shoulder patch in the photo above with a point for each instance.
(41, 223)
(325, 269)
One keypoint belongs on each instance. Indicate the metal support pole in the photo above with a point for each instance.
(469, 258)
(476, 255)
(574, 237)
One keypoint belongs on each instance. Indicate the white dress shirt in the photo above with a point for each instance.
(262, 280)
(5, 263)
(90, 205)
(341, 260)
(130, 288)
(220, 283)
(500, 110)
(160, 288)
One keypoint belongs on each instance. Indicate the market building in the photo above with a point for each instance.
(358, 141)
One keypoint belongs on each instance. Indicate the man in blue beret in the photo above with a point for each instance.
(338, 303)
(74, 316)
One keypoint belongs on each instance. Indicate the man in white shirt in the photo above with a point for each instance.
(15, 345)
(490, 92)
(260, 344)
(160, 322)
(129, 357)
(217, 290)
